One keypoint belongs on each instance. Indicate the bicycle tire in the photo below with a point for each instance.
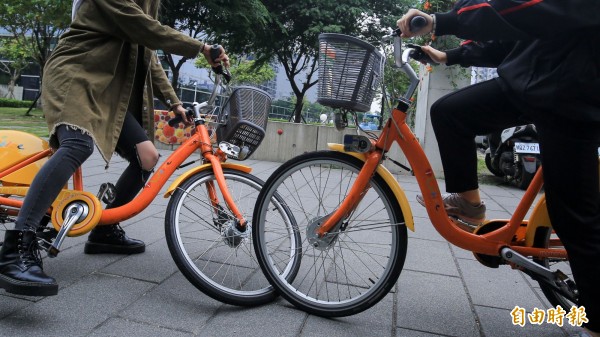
(542, 239)
(223, 269)
(362, 262)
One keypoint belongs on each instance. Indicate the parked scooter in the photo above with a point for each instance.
(514, 154)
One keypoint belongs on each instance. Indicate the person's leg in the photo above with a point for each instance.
(456, 119)
(569, 153)
(460, 116)
(134, 146)
(20, 263)
(74, 148)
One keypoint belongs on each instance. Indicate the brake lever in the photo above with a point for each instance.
(419, 55)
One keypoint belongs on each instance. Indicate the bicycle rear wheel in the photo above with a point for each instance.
(351, 268)
(200, 240)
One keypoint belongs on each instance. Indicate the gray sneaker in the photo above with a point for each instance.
(456, 206)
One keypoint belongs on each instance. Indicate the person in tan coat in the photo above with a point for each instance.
(98, 89)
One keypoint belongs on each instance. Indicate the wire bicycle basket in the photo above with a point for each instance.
(350, 71)
(243, 119)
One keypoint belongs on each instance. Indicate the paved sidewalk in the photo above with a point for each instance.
(442, 291)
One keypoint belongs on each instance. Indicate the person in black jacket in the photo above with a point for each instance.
(547, 53)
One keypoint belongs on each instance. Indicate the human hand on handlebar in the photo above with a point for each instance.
(222, 58)
(182, 112)
(404, 23)
(436, 55)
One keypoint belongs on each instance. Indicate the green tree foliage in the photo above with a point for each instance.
(243, 71)
(290, 36)
(35, 25)
(204, 20)
(14, 60)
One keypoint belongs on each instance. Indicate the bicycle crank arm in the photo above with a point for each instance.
(557, 280)
(74, 213)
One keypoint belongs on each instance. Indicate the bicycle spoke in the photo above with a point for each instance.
(348, 266)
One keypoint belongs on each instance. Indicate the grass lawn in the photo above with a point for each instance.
(485, 176)
(15, 119)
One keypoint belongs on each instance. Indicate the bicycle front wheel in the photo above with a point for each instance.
(200, 239)
(352, 267)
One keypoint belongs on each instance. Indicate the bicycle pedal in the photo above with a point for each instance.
(107, 193)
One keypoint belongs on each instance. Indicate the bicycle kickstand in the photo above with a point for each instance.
(74, 214)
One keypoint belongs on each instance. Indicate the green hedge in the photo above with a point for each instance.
(14, 103)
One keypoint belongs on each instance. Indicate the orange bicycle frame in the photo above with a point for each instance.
(200, 140)
(490, 243)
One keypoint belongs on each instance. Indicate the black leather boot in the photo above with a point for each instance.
(21, 266)
(111, 239)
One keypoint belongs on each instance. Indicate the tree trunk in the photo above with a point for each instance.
(175, 70)
(298, 110)
(37, 97)
(175, 79)
(11, 88)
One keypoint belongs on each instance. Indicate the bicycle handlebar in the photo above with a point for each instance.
(400, 59)
(417, 22)
(220, 71)
(215, 51)
(178, 119)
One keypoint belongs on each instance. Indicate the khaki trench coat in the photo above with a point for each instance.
(88, 79)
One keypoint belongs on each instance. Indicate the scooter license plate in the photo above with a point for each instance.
(527, 148)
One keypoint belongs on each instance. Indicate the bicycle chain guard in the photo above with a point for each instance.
(65, 199)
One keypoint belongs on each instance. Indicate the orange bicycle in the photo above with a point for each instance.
(208, 218)
(353, 215)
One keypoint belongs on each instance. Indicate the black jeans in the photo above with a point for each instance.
(569, 151)
(75, 147)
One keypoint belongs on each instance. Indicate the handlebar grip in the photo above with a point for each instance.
(215, 51)
(175, 120)
(416, 23)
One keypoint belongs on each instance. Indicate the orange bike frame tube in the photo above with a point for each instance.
(397, 130)
(490, 243)
(153, 185)
(220, 177)
(212, 194)
(354, 195)
(200, 140)
(4, 201)
(78, 180)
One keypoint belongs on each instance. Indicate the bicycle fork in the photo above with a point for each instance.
(558, 280)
